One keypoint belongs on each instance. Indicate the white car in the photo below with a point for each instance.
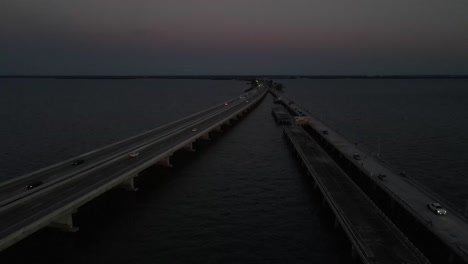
(226, 103)
(134, 154)
(194, 129)
(437, 208)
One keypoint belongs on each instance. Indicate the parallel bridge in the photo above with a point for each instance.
(66, 187)
(442, 239)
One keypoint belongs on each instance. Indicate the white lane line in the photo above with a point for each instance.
(39, 204)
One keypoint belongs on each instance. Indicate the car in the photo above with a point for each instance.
(381, 176)
(134, 154)
(247, 101)
(194, 129)
(242, 97)
(325, 132)
(226, 103)
(33, 184)
(437, 208)
(77, 162)
(356, 156)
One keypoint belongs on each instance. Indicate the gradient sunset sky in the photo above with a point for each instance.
(171, 37)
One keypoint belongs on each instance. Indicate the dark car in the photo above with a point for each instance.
(356, 156)
(325, 132)
(381, 177)
(77, 162)
(33, 184)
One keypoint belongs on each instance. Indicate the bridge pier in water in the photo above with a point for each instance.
(64, 223)
(205, 136)
(165, 162)
(188, 147)
(129, 184)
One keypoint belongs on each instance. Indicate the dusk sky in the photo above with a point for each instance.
(171, 37)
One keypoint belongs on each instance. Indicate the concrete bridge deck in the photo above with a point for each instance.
(14, 189)
(55, 202)
(374, 238)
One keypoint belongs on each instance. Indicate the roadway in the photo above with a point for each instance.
(373, 235)
(451, 228)
(15, 189)
(29, 214)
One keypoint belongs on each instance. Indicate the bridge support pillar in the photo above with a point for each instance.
(188, 147)
(129, 184)
(64, 223)
(165, 162)
(205, 136)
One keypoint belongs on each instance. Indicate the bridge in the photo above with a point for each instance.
(373, 236)
(63, 187)
(328, 157)
(383, 214)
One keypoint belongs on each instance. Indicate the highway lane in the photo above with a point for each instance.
(452, 228)
(15, 188)
(24, 214)
(376, 236)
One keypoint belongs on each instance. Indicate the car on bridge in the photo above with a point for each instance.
(134, 154)
(356, 156)
(33, 184)
(77, 162)
(194, 129)
(437, 208)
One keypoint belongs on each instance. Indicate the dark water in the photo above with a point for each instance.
(46, 121)
(239, 199)
(422, 125)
